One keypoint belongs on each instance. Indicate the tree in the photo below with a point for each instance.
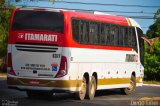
(5, 12)
(157, 15)
(152, 62)
(154, 30)
(4, 25)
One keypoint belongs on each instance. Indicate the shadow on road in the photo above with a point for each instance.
(108, 92)
(71, 96)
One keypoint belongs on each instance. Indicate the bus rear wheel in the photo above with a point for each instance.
(131, 87)
(81, 94)
(91, 88)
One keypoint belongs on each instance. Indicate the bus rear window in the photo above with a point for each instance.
(38, 20)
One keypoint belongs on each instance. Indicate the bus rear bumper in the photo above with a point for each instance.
(26, 88)
(43, 84)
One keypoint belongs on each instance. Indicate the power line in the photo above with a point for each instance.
(102, 10)
(145, 27)
(109, 11)
(144, 6)
(137, 17)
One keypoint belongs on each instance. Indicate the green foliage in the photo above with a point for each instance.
(4, 27)
(154, 30)
(152, 62)
(52, 0)
(157, 15)
(17, 0)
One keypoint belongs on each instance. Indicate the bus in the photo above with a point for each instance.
(53, 50)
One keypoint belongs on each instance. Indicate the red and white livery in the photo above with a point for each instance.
(59, 50)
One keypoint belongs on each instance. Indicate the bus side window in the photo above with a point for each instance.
(93, 29)
(129, 37)
(121, 36)
(99, 33)
(84, 32)
(107, 34)
(116, 34)
(113, 35)
(141, 45)
(96, 34)
(126, 37)
(102, 34)
(134, 41)
(76, 30)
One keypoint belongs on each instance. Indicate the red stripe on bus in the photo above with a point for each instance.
(119, 20)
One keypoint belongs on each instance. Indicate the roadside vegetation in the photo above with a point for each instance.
(5, 12)
(152, 57)
(152, 82)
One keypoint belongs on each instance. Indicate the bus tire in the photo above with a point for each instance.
(91, 88)
(131, 88)
(81, 94)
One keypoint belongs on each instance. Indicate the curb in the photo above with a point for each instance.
(156, 85)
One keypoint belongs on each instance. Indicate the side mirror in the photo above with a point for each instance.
(149, 42)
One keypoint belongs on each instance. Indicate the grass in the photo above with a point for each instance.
(151, 82)
(3, 74)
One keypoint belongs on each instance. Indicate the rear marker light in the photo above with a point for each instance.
(9, 62)
(9, 65)
(63, 68)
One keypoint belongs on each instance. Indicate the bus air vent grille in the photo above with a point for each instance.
(36, 47)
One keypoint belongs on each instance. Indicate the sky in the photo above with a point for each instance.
(144, 23)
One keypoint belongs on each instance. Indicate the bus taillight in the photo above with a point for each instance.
(63, 68)
(9, 65)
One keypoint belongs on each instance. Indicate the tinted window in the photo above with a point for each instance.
(121, 36)
(38, 20)
(103, 38)
(98, 33)
(93, 33)
(126, 35)
(84, 31)
(134, 40)
(76, 30)
(141, 45)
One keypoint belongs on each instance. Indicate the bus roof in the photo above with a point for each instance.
(95, 15)
(98, 16)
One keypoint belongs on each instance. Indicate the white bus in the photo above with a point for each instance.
(66, 51)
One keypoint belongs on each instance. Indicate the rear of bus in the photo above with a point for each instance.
(35, 49)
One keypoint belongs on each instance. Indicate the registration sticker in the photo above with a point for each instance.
(54, 67)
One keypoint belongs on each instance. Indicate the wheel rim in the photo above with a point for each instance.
(82, 92)
(131, 86)
(92, 88)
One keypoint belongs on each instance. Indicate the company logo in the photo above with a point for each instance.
(20, 35)
(38, 37)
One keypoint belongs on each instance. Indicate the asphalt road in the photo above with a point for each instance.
(10, 97)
